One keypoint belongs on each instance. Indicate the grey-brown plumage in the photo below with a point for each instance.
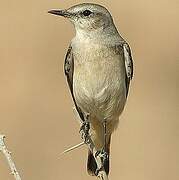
(98, 67)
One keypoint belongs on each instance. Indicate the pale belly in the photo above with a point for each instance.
(99, 89)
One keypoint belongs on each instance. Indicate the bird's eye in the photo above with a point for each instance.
(86, 12)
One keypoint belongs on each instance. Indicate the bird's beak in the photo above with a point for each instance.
(63, 13)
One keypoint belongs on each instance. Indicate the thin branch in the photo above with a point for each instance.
(101, 172)
(72, 148)
(8, 157)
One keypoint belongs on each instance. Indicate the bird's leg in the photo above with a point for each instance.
(105, 135)
(103, 153)
(84, 129)
(104, 149)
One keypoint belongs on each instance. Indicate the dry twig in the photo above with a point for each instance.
(8, 157)
(72, 148)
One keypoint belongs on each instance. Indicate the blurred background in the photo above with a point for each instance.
(36, 107)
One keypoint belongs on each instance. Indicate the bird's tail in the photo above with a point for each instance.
(91, 164)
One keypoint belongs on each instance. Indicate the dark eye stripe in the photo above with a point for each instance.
(86, 12)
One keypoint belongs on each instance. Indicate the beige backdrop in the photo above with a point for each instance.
(36, 107)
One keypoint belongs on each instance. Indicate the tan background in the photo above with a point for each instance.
(35, 104)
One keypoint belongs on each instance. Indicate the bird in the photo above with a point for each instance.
(99, 68)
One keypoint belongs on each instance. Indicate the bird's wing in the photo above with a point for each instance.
(128, 65)
(69, 69)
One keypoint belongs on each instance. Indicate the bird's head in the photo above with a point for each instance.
(86, 17)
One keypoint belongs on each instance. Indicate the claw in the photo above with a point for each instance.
(103, 155)
(85, 127)
(84, 131)
(97, 153)
(98, 170)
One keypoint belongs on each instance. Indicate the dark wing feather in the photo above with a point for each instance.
(69, 69)
(128, 65)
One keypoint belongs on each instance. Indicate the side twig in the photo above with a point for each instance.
(8, 157)
(72, 148)
(88, 141)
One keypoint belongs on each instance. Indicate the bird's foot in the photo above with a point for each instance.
(103, 155)
(84, 131)
(104, 158)
(98, 170)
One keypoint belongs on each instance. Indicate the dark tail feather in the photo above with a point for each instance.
(92, 166)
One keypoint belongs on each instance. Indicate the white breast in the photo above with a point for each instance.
(99, 81)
